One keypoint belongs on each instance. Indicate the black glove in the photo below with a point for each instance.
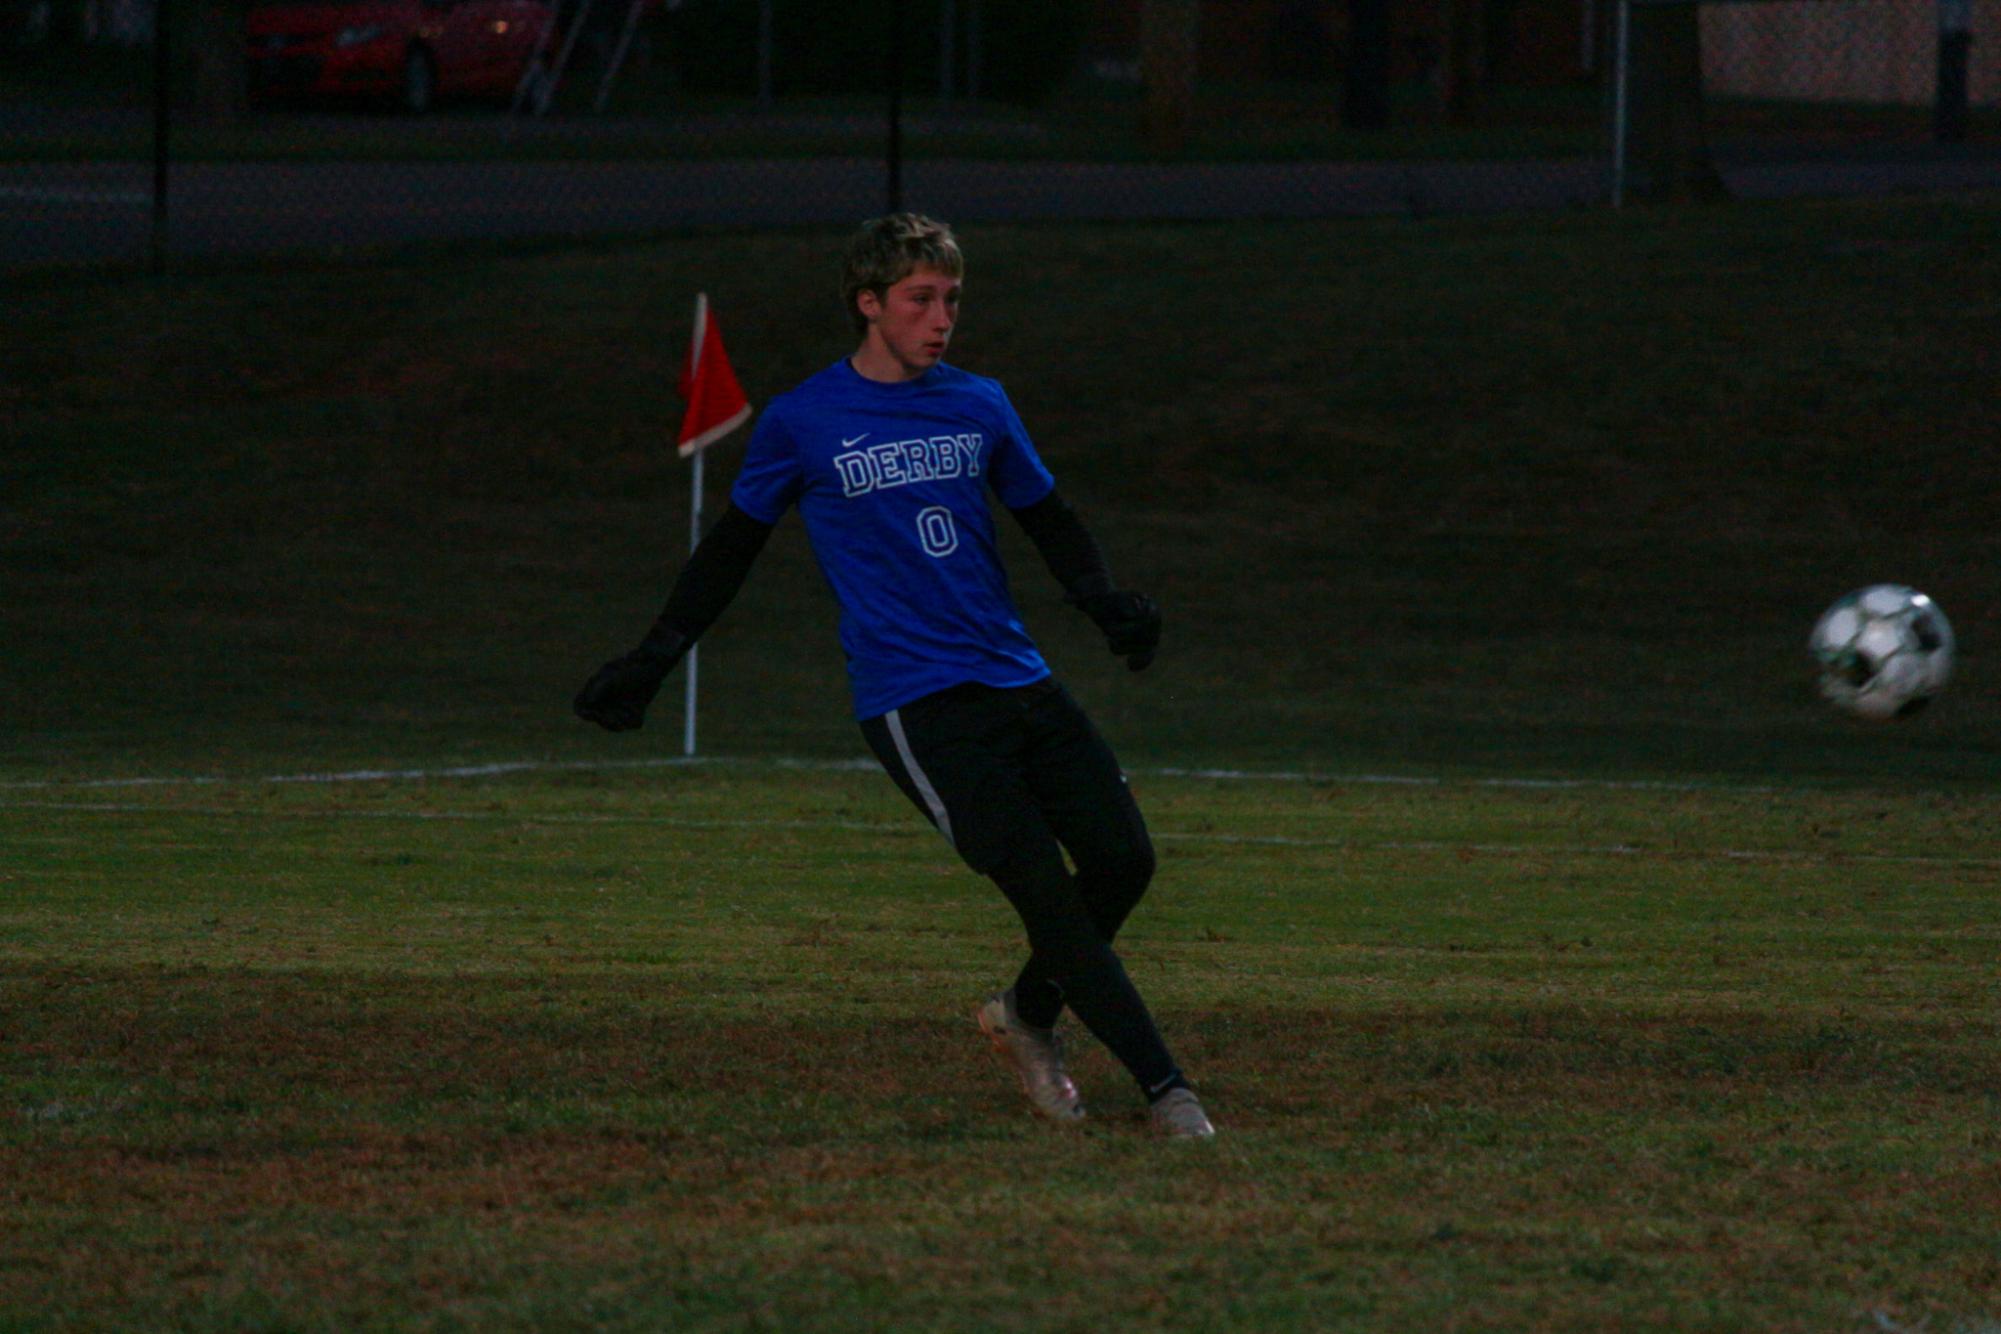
(1131, 623)
(616, 696)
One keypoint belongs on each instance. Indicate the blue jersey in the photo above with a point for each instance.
(891, 481)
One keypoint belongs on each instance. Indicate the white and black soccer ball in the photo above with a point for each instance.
(1884, 651)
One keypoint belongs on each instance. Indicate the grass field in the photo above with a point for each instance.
(1585, 973)
(693, 1049)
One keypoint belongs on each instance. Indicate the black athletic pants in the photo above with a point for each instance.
(1013, 778)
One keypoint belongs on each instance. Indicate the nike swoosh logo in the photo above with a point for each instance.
(850, 444)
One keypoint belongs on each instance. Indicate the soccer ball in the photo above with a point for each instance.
(1883, 651)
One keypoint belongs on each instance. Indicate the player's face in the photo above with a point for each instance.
(911, 324)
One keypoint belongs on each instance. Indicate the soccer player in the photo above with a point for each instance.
(889, 455)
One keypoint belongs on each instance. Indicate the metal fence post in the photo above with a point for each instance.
(1955, 41)
(163, 69)
(948, 20)
(972, 88)
(894, 151)
(764, 54)
(1622, 18)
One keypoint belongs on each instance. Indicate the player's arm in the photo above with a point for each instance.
(616, 696)
(1130, 621)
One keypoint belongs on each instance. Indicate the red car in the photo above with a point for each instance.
(410, 52)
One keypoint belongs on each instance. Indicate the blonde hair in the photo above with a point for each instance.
(889, 249)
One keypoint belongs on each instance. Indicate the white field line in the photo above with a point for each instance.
(1521, 852)
(42, 195)
(1423, 780)
(496, 770)
(509, 767)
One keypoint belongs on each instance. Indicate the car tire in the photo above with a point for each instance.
(419, 89)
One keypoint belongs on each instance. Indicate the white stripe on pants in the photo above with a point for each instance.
(939, 816)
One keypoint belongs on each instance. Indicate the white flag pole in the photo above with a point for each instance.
(694, 539)
(694, 533)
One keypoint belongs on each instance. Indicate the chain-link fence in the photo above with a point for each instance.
(139, 130)
(1773, 97)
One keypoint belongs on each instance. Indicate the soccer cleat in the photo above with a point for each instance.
(1036, 1055)
(1179, 1115)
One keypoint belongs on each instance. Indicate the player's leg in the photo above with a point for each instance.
(959, 760)
(1070, 953)
(1083, 794)
(966, 715)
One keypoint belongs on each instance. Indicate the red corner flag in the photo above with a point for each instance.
(716, 405)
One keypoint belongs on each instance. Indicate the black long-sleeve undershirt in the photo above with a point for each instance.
(709, 581)
(721, 562)
(1067, 547)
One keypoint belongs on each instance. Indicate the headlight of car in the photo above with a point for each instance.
(360, 36)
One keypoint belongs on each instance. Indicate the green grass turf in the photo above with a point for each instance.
(692, 1048)
(1700, 1035)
